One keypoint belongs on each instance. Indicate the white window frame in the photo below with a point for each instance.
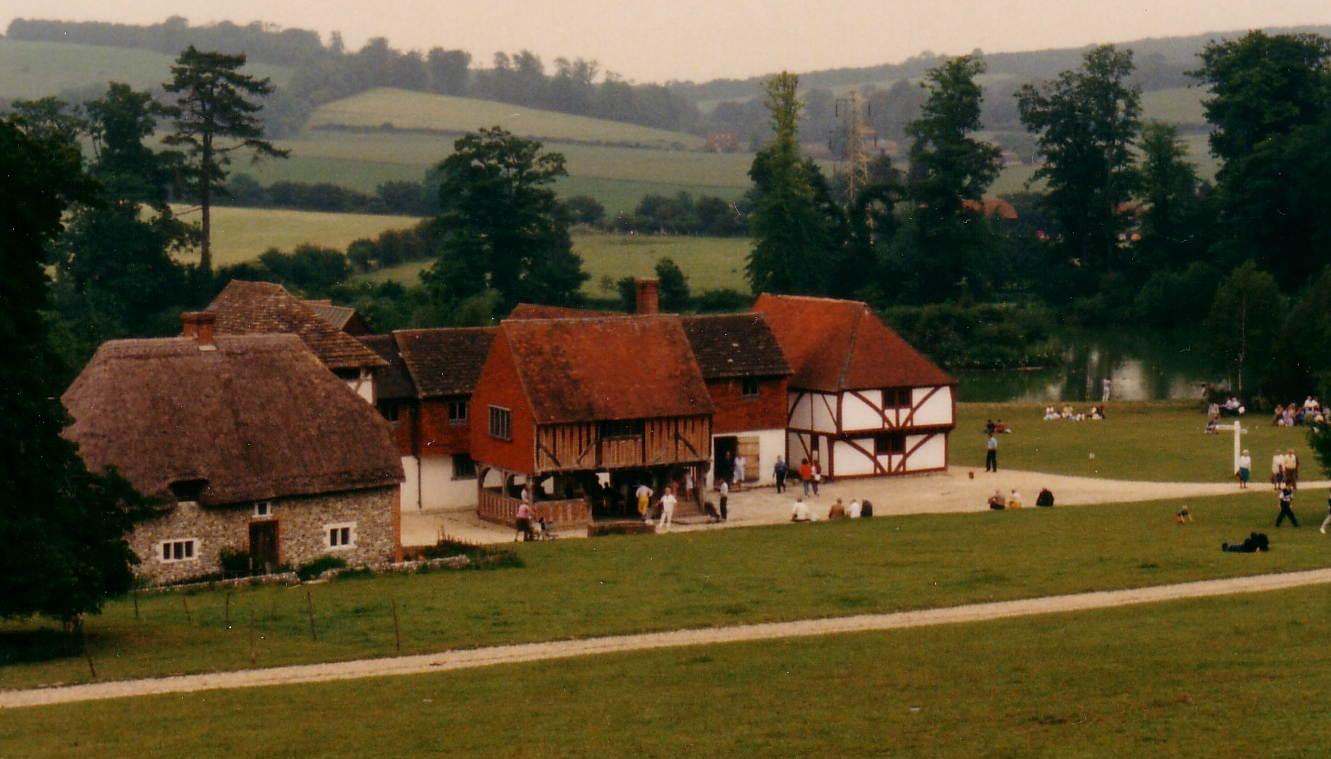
(350, 527)
(194, 543)
(263, 509)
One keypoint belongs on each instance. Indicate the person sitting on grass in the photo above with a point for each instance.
(853, 512)
(866, 510)
(801, 511)
(1050, 415)
(1014, 500)
(1256, 542)
(1183, 516)
(1045, 499)
(996, 501)
(838, 511)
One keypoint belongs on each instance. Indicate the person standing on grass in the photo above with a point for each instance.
(724, 490)
(779, 473)
(1327, 521)
(806, 475)
(1277, 470)
(668, 508)
(991, 454)
(1245, 469)
(1286, 506)
(1108, 385)
(1292, 468)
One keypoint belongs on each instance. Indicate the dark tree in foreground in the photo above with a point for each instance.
(214, 116)
(1085, 123)
(1244, 325)
(501, 228)
(62, 528)
(1171, 227)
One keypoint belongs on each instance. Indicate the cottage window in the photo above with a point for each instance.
(341, 535)
(898, 397)
(748, 388)
(891, 444)
(185, 549)
(501, 423)
(629, 428)
(457, 412)
(463, 467)
(263, 509)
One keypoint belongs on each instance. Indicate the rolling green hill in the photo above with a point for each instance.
(38, 69)
(404, 109)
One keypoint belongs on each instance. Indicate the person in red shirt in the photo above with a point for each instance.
(806, 475)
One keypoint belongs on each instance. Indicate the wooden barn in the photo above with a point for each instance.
(861, 400)
(746, 375)
(248, 442)
(580, 411)
(252, 308)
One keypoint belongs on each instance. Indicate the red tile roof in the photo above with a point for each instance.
(621, 367)
(445, 361)
(735, 345)
(535, 311)
(249, 308)
(841, 345)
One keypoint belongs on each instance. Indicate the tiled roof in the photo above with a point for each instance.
(336, 316)
(258, 417)
(534, 311)
(735, 345)
(392, 382)
(248, 308)
(622, 367)
(841, 345)
(445, 361)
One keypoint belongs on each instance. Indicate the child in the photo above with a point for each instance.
(1183, 516)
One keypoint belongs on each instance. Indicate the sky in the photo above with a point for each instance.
(705, 39)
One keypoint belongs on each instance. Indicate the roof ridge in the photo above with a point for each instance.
(850, 347)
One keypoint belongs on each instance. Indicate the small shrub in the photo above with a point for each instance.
(236, 563)
(481, 557)
(317, 567)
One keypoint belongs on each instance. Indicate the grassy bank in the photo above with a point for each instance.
(624, 585)
(1221, 677)
(243, 234)
(1158, 441)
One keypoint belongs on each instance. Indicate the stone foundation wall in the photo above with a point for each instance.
(301, 532)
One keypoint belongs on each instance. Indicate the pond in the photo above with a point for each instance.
(1144, 366)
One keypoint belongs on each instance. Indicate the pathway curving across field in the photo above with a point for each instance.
(494, 655)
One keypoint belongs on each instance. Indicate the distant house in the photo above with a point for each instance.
(581, 411)
(991, 208)
(746, 373)
(862, 401)
(344, 318)
(249, 443)
(249, 308)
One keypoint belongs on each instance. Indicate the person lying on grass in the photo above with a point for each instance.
(1256, 542)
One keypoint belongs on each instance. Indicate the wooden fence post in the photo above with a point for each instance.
(309, 609)
(228, 610)
(135, 596)
(83, 639)
(253, 653)
(397, 630)
(184, 601)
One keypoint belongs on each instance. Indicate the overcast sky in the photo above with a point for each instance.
(704, 39)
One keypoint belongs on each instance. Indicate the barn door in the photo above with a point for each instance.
(748, 448)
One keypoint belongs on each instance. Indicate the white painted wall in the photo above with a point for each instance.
(931, 455)
(858, 415)
(363, 385)
(850, 462)
(936, 410)
(813, 411)
(771, 443)
(411, 494)
(430, 485)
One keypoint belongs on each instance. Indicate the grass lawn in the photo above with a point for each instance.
(709, 262)
(635, 584)
(242, 234)
(37, 69)
(1222, 677)
(1158, 441)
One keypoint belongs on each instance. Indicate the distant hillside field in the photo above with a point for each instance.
(242, 234)
(420, 110)
(38, 69)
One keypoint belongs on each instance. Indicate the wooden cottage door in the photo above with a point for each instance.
(263, 545)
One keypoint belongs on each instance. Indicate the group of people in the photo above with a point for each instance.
(1095, 413)
(856, 510)
(1014, 500)
(1293, 415)
(810, 475)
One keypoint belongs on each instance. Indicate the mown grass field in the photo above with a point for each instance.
(1157, 441)
(660, 582)
(710, 263)
(38, 69)
(405, 109)
(243, 234)
(1221, 677)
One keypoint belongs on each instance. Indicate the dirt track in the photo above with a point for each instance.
(482, 657)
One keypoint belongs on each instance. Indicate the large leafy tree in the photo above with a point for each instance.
(215, 115)
(63, 528)
(792, 218)
(1244, 325)
(1085, 123)
(501, 228)
(1270, 109)
(948, 167)
(1171, 225)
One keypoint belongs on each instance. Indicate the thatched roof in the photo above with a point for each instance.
(257, 417)
(251, 308)
(446, 361)
(735, 345)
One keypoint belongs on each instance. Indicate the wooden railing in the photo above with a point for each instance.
(494, 506)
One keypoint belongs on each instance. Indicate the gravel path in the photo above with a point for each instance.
(482, 657)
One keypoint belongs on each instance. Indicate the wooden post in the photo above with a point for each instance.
(397, 630)
(309, 610)
(135, 596)
(83, 639)
(253, 653)
(227, 615)
(184, 601)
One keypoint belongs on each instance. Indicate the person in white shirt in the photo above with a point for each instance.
(1245, 469)
(854, 510)
(739, 471)
(667, 508)
(801, 512)
(724, 490)
(688, 482)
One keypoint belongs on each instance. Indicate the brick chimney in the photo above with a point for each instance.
(199, 326)
(648, 298)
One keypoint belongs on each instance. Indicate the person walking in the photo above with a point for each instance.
(1286, 506)
(806, 476)
(779, 473)
(667, 508)
(1245, 469)
(991, 454)
(1327, 521)
(724, 490)
(644, 495)
(817, 476)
